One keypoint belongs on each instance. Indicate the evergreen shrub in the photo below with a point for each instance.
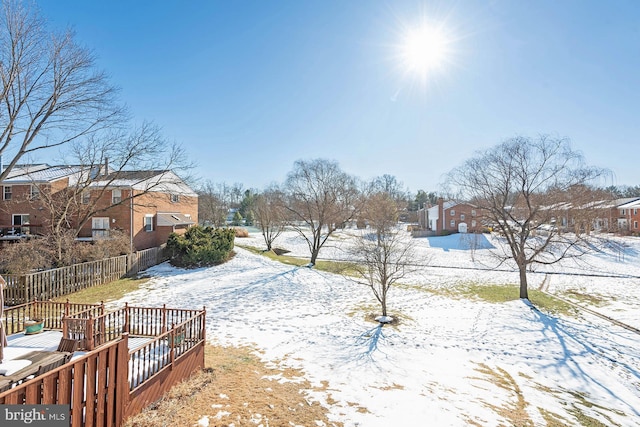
(201, 246)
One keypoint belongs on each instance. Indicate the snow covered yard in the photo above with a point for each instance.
(451, 361)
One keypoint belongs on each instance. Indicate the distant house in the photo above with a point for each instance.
(453, 217)
(145, 205)
(628, 215)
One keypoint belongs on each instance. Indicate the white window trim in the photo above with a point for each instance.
(100, 232)
(35, 192)
(4, 192)
(144, 223)
(116, 199)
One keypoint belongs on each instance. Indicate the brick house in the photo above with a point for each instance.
(454, 217)
(145, 205)
(627, 215)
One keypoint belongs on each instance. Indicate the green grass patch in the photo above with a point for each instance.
(504, 293)
(285, 259)
(107, 292)
(582, 298)
(337, 267)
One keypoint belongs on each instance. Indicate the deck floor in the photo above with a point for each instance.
(48, 340)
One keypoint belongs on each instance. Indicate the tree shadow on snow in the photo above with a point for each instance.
(555, 329)
(367, 350)
(461, 242)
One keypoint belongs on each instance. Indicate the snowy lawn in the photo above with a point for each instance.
(451, 361)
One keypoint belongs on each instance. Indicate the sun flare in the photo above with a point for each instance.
(424, 49)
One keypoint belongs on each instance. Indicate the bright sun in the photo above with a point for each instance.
(424, 50)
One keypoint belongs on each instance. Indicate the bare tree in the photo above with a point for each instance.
(320, 199)
(213, 204)
(269, 214)
(383, 256)
(142, 157)
(51, 91)
(388, 184)
(216, 199)
(523, 187)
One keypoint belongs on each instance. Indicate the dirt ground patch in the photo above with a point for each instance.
(236, 390)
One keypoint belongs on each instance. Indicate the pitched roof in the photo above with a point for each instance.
(632, 202)
(25, 174)
(165, 219)
(146, 180)
(153, 180)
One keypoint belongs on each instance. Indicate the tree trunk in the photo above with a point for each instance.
(524, 294)
(314, 256)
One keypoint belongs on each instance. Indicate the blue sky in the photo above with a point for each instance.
(249, 87)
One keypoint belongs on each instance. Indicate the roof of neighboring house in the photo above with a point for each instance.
(632, 202)
(27, 174)
(166, 219)
(152, 180)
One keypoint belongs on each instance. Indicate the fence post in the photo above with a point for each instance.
(65, 327)
(22, 282)
(203, 324)
(172, 347)
(126, 317)
(164, 318)
(89, 333)
(122, 379)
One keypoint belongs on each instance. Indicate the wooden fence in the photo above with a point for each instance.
(111, 383)
(51, 313)
(93, 327)
(62, 281)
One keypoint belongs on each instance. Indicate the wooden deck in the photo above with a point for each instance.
(123, 373)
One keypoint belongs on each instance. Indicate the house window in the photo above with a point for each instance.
(623, 211)
(175, 198)
(7, 192)
(148, 223)
(453, 223)
(35, 192)
(461, 217)
(116, 196)
(635, 211)
(635, 224)
(473, 212)
(453, 212)
(100, 227)
(19, 222)
(473, 222)
(86, 197)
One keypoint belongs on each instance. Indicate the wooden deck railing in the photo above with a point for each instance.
(94, 330)
(153, 356)
(111, 383)
(50, 312)
(94, 385)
